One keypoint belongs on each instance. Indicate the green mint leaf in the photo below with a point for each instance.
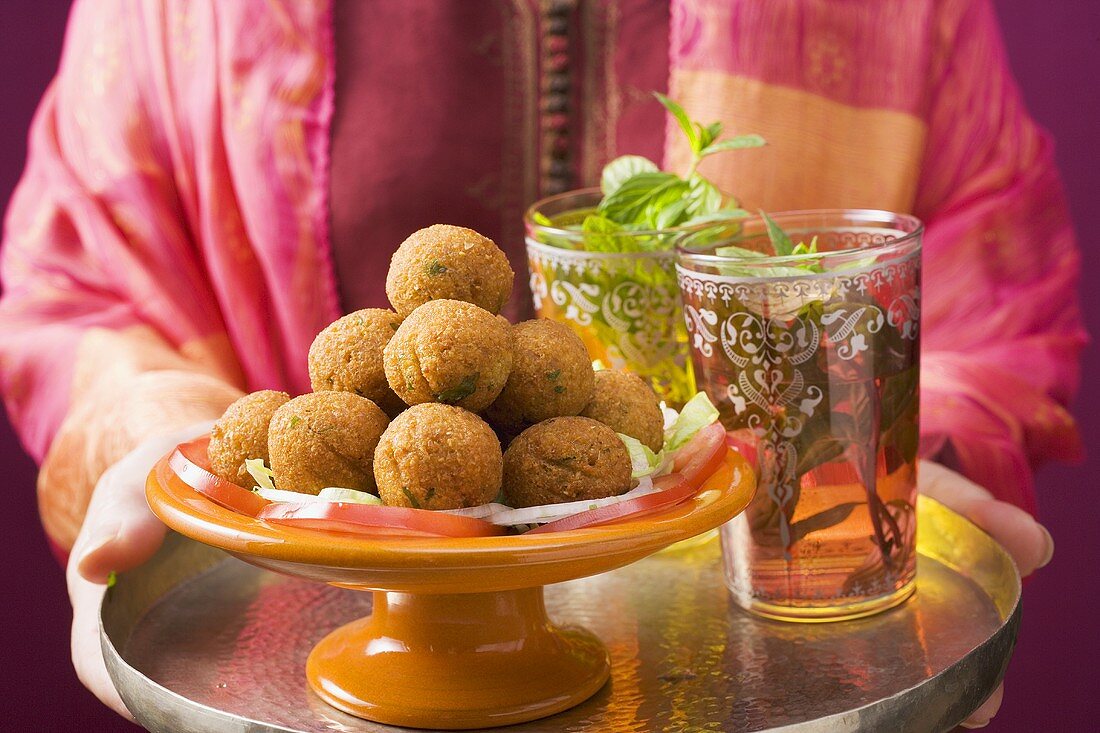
(602, 235)
(802, 249)
(669, 216)
(411, 497)
(718, 216)
(741, 142)
(542, 219)
(627, 204)
(704, 197)
(734, 270)
(461, 391)
(708, 134)
(684, 121)
(654, 215)
(780, 241)
(739, 252)
(622, 168)
(822, 520)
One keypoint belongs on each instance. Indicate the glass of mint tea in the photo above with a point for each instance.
(615, 289)
(804, 330)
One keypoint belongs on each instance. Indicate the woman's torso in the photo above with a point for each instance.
(465, 112)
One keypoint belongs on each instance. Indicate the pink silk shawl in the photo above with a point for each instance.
(168, 245)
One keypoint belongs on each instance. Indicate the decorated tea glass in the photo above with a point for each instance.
(812, 360)
(616, 291)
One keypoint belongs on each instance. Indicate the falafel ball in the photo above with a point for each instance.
(551, 376)
(435, 456)
(565, 459)
(452, 263)
(627, 404)
(452, 352)
(347, 357)
(241, 433)
(325, 439)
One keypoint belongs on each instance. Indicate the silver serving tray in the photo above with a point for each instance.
(198, 641)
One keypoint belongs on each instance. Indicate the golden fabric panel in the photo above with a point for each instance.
(820, 153)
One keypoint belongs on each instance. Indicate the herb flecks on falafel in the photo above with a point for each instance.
(436, 456)
(565, 459)
(325, 439)
(452, 352)
(627, 404)
(241, 433)
(444, 262)
(551, 376)
(347, 357)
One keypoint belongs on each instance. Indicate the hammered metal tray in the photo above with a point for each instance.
(198, 641)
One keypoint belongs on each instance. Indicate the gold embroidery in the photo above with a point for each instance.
(603, 98)
(519, 156)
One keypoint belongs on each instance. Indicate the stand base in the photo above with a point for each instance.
(457, 662)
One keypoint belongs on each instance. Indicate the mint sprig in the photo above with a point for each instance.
(703, 139)
(783, 247)
(639, 197)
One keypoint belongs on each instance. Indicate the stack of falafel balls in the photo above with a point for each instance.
(415, 404)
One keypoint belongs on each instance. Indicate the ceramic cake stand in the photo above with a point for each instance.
(458, 636)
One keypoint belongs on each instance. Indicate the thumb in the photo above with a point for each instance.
(119, 530)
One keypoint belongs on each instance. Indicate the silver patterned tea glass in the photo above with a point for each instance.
(616, 291)
(812, 361)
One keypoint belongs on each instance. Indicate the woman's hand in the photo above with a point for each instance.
(1026, 540)
(119, 533)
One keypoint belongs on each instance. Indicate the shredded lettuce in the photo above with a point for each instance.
(261, 473)
(279, 495)
(643, 461)
(351, 496)
(696, 415)
(669, 414)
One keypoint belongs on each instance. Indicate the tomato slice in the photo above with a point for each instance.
(189, 461)
(376, 521)
(702, 455)
(674, 490)
(744, 442)
(724, 475)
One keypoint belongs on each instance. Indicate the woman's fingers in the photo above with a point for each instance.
(980, 718)
(1026, 540)
(86, 651)
(119, 531)
(1029, 543)
(137, 540)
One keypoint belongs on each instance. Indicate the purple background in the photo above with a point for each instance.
(1055, 50)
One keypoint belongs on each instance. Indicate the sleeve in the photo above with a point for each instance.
(1001, 318)
(109, 332)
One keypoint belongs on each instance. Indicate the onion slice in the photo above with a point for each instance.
(552, 512)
